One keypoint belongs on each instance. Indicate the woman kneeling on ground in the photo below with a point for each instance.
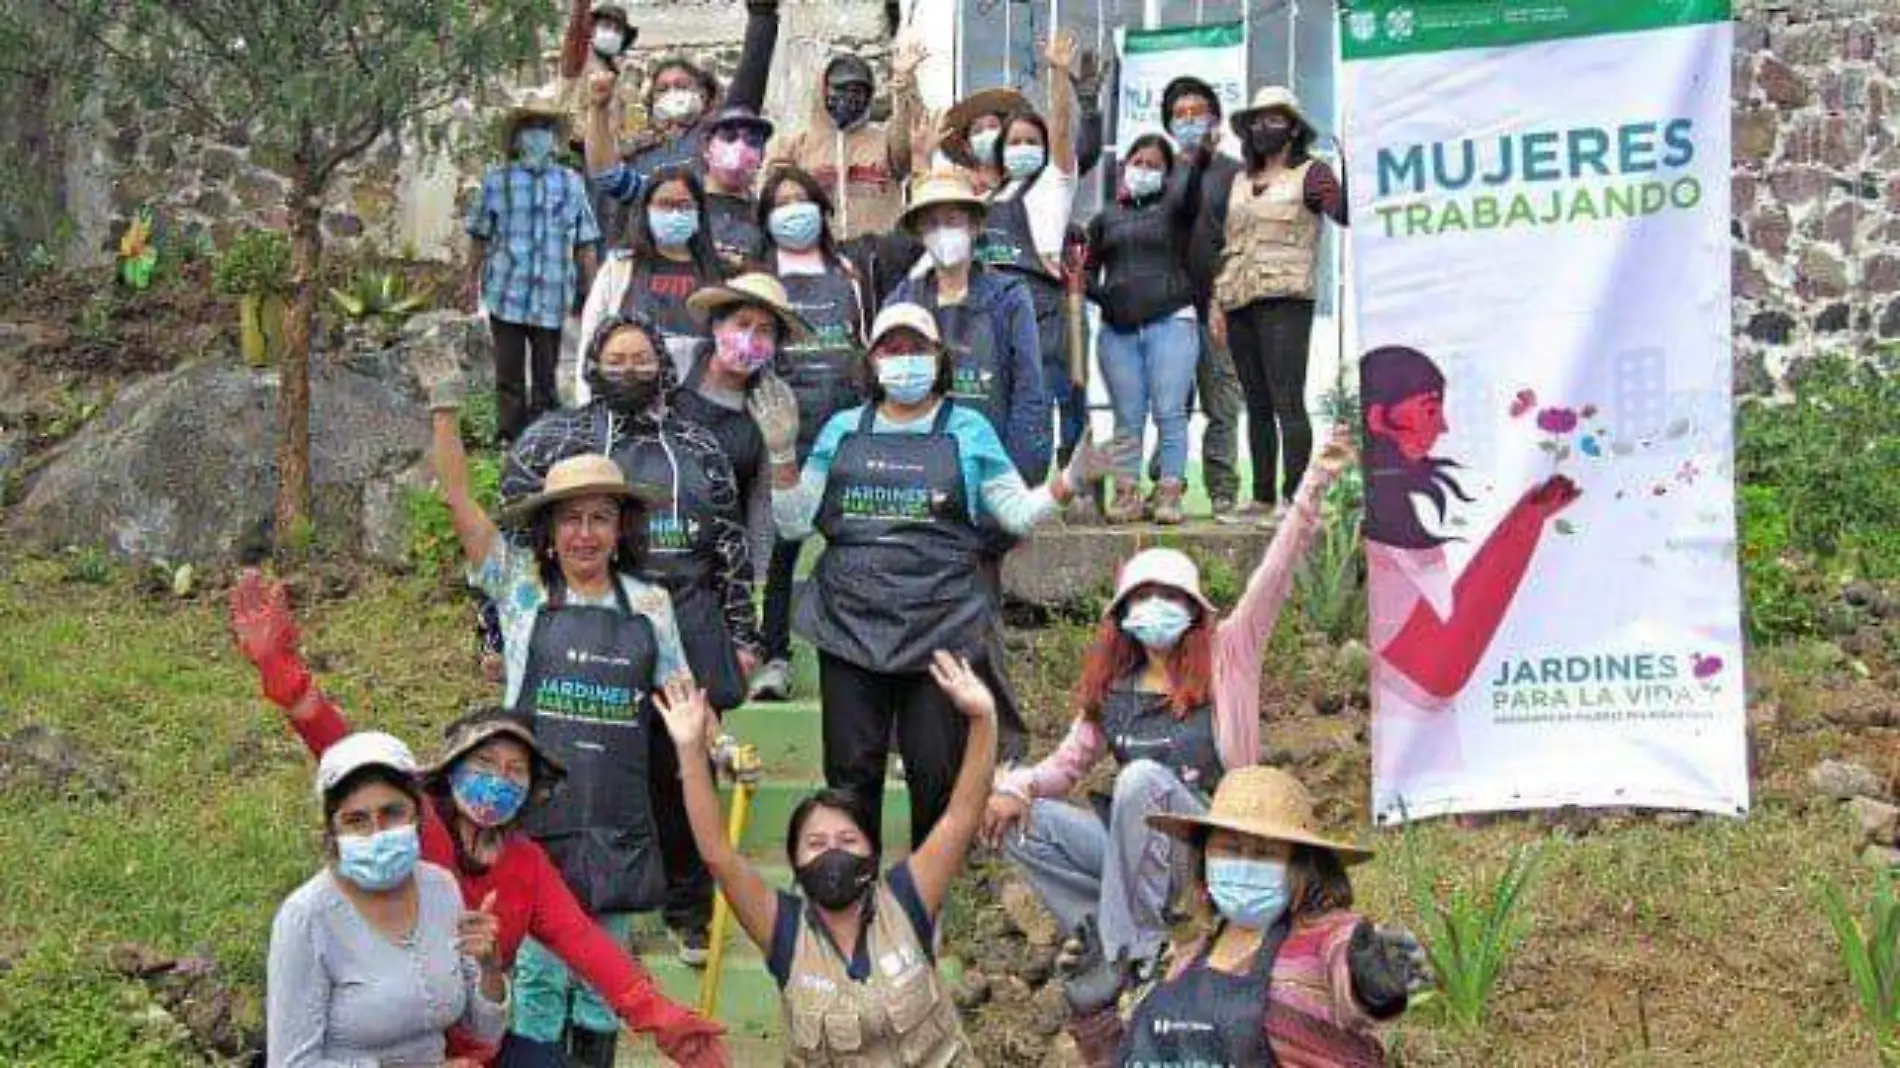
(1285, 974)
(492, 774)
(374, 958)
(1172, 692)
(853, 958)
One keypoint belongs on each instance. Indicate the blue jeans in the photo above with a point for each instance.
(1150, 372)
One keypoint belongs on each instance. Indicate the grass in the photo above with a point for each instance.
(1701, 945)
(1870, 953)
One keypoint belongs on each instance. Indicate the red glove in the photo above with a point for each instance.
(266, 633)
(688, 1038)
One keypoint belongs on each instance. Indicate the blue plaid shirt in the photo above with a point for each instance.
(533, 221)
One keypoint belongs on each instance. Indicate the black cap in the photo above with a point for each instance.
(1187, 85)
(846, 69)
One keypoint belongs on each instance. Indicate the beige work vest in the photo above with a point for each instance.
(900, 1015)
(1272, 238)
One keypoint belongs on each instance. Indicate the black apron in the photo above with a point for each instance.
(1139, 726)
(661, 295)
(897, 580)
(1206, 1018)
(735, 231)
(586, 693)
(822, 372)
(682, 557)
(1009, 244)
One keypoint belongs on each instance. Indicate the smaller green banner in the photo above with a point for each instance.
(1376, 29)
(1217, 35)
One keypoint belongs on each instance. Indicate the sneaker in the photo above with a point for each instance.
(1167, 503)
(1220, 506)
(694, 947)
(772, 682)
(1248, 514)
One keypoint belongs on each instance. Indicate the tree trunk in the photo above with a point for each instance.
(293, 395)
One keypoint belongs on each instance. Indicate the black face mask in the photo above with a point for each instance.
(1267, 141)
(834, 879)
(624, 391)
(847, 105)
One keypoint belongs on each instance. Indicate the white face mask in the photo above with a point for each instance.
(948, 246)
(677, 105)
(608, 40)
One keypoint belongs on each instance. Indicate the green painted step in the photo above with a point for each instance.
(771, 812)
(789, 737)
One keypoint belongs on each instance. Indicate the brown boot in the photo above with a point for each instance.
(1126, 505)
(1167, 502)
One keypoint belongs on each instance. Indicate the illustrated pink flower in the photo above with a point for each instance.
(1706, 666)
(1557, 420)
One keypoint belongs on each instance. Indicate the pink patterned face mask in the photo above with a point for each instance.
(744, 351)
(734, 161)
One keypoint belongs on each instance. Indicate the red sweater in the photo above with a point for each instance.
(530, 898)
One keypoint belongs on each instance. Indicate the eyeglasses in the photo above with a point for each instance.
(751, 135)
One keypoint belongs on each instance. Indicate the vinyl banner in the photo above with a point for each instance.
(1540, 245)
(1150, 59)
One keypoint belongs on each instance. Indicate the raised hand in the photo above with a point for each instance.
(965, 688)
(925, 135)
(910, 55)
(478, 935)
(1061, 50)
(1340, 451)
(685, 710)
(600, 87)
(1551, 496)
(261, 621)
(774, 407)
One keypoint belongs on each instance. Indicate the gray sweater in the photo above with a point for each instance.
(342, 995)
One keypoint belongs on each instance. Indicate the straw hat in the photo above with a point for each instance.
(467, 735)
(585, 475)
(954, 130)
(906, 316)
(1267, 98)
(755, 288)
(534, 107)
(363, 749)
(941, 187)
(1160, 567)
(1260, 802)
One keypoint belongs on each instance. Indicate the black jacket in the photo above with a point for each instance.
(1139, 254)
(1210, 225)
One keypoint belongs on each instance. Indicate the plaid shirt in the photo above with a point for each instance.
(533, 221)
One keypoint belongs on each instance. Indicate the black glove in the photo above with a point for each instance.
(1387, 965)
(1090, 981)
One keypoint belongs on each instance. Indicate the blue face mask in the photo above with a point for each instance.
(795, 226)
(671, 229)
(1143, 182)
(379, 861)
(1021, 161)
(1156, 622)
(983, 145)
(1191, 132)
(488, 799)
(536, 144)
(1251, 893)
(907, 379)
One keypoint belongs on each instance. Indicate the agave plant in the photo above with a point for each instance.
(381, 295)
(1470, 930)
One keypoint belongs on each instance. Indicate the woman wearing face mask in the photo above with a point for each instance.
(1172, 693)
(899, 488)
(823, 288)
(1263, 292)
(860, 164)
(853, 958)
(375, 957)
(475, 799)
(1150, 340)
(987, 321)
(1286, 972)
(735, 148)
(669, 258)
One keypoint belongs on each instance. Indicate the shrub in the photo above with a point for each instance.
(257, 264)
(1783, 596)
(433, 547)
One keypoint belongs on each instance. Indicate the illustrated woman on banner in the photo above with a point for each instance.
(1429, 625)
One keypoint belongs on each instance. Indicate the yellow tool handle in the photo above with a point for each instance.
(722, 909)
(1078, 344)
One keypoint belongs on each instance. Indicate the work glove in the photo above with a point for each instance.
(774, 407)
(1388, 966)
(1091, 982)
(266, 633)
(439, 372)
(686, 1037)
(1090, 464)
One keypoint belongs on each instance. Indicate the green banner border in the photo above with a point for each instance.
(1216, 35)
(1380, 29)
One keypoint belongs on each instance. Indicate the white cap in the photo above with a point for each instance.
(906, 316)
(1160, 567)
(364, 749)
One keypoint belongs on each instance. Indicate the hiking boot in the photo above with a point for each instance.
(694, 946)
(1220, 506)
(1251, 513)
(773, 681)
(1167, 502)
(1126, 505)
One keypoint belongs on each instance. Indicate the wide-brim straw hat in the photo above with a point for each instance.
(954, 130)
(1269, 98)
(534, 108)
(755, 288)
(942, 187)
(1260, 802)
(585, 475)
(1171, 568)
(906, 316)
(466, 736)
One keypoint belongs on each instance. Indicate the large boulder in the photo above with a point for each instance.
(181, 467)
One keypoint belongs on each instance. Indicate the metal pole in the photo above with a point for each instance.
(1293, 46)
(1009, 44)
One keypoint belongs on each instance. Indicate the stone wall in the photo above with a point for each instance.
(1817, 181)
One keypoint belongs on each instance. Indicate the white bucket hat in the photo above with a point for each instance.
(364, 749)
(1266, 98)
(1160, 567)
